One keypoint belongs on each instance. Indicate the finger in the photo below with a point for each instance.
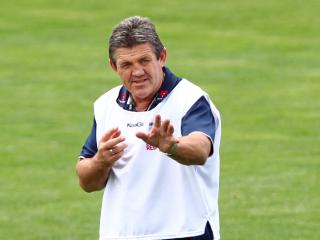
(116, 134)
(157, 121)
(111, 143)
(170, 130)
(108, 134)
(112, 154)
(119, 148)
(165, 126)
(142, 136)
(114, 141)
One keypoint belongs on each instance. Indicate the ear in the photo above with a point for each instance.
(113, 66)
(163, 56)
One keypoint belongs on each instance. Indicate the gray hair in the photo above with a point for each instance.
(131, 32)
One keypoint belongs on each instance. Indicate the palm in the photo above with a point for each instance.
(160, 135)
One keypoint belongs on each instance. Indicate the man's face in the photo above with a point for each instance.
(140, 71)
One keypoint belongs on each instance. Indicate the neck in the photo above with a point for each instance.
(142, 105)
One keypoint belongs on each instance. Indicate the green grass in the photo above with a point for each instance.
(259, 60)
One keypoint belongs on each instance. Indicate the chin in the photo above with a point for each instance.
(141, 93)
(141, 96)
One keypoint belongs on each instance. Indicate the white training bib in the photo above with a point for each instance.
(149, 195)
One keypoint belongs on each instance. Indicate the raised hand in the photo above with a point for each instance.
(110, 147)
(160, 135)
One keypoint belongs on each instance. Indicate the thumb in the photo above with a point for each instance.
(142, 136)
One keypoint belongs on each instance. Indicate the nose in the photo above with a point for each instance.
(137, 71)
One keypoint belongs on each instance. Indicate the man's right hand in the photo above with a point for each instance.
(110, 147)
(94, 172)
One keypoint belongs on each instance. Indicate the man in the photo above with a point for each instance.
(153, 147)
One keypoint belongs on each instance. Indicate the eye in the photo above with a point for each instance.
(145, 61)
(124, 65)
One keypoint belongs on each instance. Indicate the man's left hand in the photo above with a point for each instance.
(160, 135)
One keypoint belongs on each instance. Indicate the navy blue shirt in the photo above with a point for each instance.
(198, 118)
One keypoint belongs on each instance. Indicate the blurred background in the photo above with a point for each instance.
(258, 60)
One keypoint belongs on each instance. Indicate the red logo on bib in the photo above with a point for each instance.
(163, 93)
(150, 147)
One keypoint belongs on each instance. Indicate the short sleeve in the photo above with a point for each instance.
(89, 148)
(199, 118)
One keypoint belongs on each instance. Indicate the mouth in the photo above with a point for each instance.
(139, 82)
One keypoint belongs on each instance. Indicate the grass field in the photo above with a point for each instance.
(259, 60)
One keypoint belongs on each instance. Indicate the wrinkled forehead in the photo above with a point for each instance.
(135, 52)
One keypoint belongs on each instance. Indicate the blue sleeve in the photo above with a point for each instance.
(89, 149)
(199, 118)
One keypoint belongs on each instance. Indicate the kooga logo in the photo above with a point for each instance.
(138, 124)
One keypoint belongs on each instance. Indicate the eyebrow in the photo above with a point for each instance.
(124, 62)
